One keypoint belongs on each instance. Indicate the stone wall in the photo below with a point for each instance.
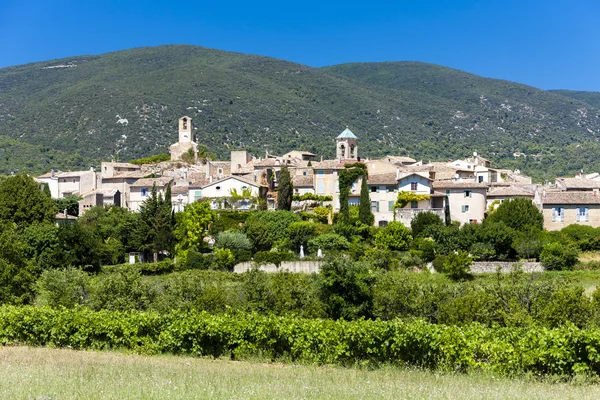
(307, 267)
(505, 267)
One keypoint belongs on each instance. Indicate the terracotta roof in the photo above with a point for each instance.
(387, 178)
(239, 178)
(150, 181)
(578, 183)
(509, 191)
(128, 174)
(332, 164)
(179, 189)
(571, 198)
(398, 159)
(302, 180)
(453, 184)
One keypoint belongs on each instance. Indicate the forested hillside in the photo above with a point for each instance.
(83, 109)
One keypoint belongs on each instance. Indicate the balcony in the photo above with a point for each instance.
(405, 215)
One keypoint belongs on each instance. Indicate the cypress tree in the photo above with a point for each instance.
(364, 211)
(285, 192)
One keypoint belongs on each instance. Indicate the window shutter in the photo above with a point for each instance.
(391, 205)
(463, 208)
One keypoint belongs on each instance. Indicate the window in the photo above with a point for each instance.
(391, 205)
(383, 223)
(373, 189)
(220, 170)
(218, 188)
(197, 195)
(472, 221)
(480, 178)
(447, 192)
(353, 201)
(414, 204)
(413, 186)
(468, 193)
(374, 206)
(465, 208)
(558, 214)
(304, 173)
(353, 187)
(321, 173)
(320, 187)
(583, 214)
(144, 192)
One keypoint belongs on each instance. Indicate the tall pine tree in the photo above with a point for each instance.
(285, 192)
(364, 211)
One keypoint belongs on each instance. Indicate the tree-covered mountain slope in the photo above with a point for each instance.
(592, 98)
(128, 103)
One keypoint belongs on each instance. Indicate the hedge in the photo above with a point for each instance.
(509, 351)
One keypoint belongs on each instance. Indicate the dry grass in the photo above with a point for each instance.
(41, 373)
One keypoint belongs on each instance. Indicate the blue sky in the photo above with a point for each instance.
(548, 44)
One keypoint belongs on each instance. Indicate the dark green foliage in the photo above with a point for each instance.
(264, 228)
(559, 256)
(347, 177)
(154, 231)
(347, 288)
(365, 215)
(285, 190)
(519, 214)
(69, 203)
(227, 220)
(328, 242)
(23, 202)
(152, 159)
(585, 237)
(300, 233)
(273, 257)
(422, 220)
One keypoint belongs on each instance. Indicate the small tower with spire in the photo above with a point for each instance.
(346, 145)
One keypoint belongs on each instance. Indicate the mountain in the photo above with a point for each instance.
(591, 98)
(80, 110)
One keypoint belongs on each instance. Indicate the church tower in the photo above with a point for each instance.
(186, 141)
(346, 146)
(185, 130)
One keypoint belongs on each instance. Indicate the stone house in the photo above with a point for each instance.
(467, 200)
(141, 189)
(563, 208)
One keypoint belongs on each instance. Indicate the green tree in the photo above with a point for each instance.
(155, 229)
(456, 265)
(300, 233)
(328, 242)
(365, 215)
(395, 236)
(191, 226)
(519, 214)
(559, 256)
(69, 203)
(264, 228)
(237, 242)
(423, 220)
(285, 190)
(23, 202)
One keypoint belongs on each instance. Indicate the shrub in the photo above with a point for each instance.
(328, 242)
(519, 214)
(300, 233)
(423, 220)
(559, 256)
(62, 287)
(264, 228)
(395, 236)
(273, 257)
(585, 237)
(119, 287)
(237, 242)
(224, 258)
(456, 265)
(483, 251)
(426, 247)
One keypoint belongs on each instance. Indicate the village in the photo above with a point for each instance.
(468, 188)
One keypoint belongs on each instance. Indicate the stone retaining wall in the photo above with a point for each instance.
(307, 267)
(505, 267)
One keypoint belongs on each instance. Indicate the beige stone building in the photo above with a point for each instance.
(563, 208)
(467, 200)
(142, 189)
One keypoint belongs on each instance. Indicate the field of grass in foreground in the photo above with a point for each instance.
(42, 373)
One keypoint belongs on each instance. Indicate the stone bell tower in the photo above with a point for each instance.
(186, 140)
(346, 146)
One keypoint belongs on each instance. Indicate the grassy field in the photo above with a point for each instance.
(40, 373)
